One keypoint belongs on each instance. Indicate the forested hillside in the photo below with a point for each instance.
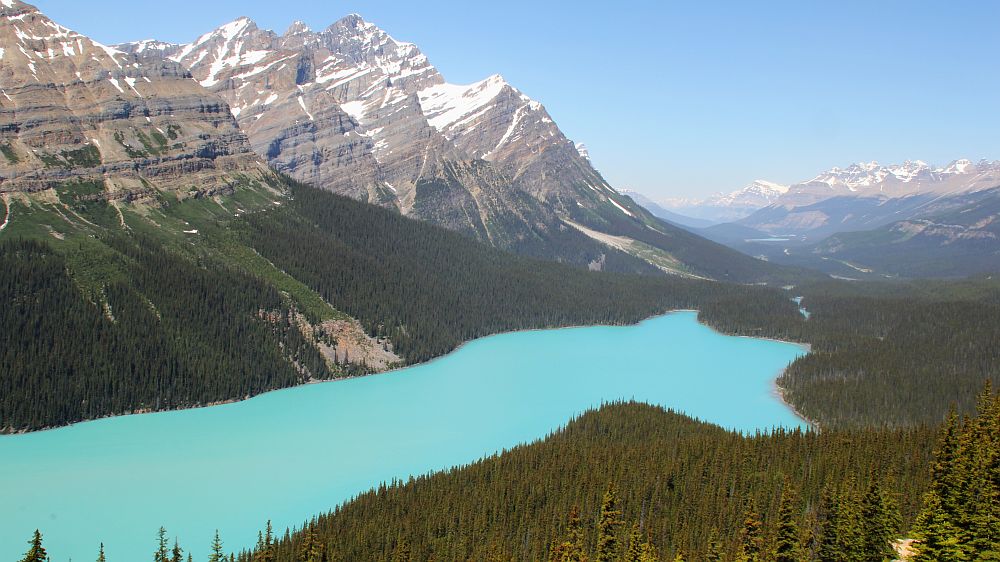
(894, 353)
(172, 335)
(685, 483)
(429, 289)
(217, 303)
(212, 299)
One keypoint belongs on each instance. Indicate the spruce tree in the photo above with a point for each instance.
(100, 554)
(937, 536)
(216, 554)
(402, 552)
(649, 553)
(879, 524)
(633, 550)
(788, 548)
(36, 552)
(829, 547)
(607, 527)
(571, 549)
(177, 553)
(714, 552)
(161, 554)
(312, 549)
(752, 545)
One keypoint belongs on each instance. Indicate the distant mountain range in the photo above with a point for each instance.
(728, 206)
(910, 219)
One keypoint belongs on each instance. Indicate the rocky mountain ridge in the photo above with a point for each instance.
(353, 110)
(73, 109)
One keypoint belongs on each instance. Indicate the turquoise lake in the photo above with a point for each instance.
(293, 453)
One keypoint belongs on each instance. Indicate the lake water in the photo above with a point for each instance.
(289, 454)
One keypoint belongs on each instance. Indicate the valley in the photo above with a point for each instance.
(302, 451)
(297, 297)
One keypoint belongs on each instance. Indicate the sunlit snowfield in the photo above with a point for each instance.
(294, 453)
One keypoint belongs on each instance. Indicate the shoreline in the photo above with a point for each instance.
(5, 432)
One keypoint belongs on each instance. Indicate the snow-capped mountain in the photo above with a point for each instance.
(913, 177)
(760, 193)
(353, 110)
(868, 195)
(731, 206)
(74, 109)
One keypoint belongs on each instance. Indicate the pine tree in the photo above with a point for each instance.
(216, 555)
(177, 553)
(633, 552)
(714, 553)
(788, 548)
(752, 546)
(607, 527)
(829, 548)
(402, 552)
(37, 552)
(649, 553)
(879, 524)
(312, 549)
(937, 536)
(100, 554)
(571, 549)
(161, 546)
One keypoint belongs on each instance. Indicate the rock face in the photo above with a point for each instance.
(352, 110)
(71, 108)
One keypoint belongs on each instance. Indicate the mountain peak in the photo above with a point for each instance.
(13, 7)
(298, 27)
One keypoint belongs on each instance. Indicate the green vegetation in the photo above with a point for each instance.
(960, 519)
(130, 150)
(85, 157)
(894, 353)
(8, 152)
(176, 334)
(429, 289)
(685, 483)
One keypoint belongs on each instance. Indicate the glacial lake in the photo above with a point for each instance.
(290, 454)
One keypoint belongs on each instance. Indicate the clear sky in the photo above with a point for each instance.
(679, 98)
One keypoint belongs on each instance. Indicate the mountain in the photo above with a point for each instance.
(74, 110)
(869, 195)
(669, 216)
(960, 238)
(352, 110)
(728, 207)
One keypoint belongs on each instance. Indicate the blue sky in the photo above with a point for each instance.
(680, 99)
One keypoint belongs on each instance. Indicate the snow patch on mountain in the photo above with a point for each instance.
(448, 105)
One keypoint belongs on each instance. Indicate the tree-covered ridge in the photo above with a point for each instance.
(686, 484)
(429, 289)
(894, 353)
(172, 335)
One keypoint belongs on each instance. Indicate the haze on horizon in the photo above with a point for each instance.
(680, 99)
